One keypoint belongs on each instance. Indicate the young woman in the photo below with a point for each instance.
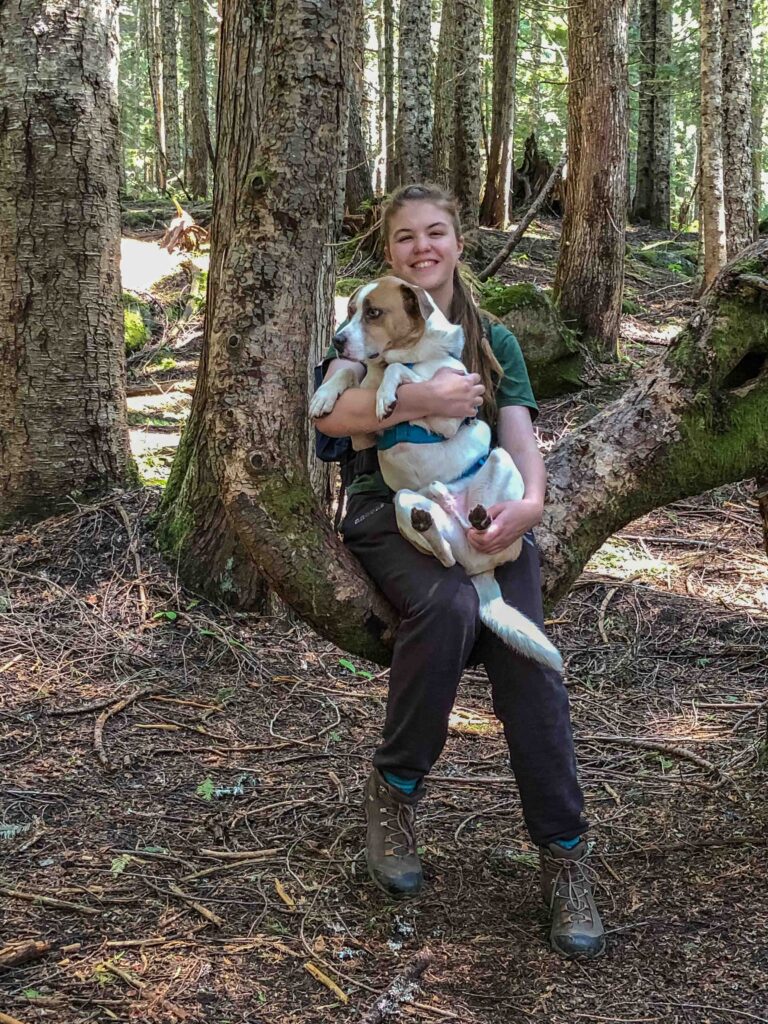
(439, 632)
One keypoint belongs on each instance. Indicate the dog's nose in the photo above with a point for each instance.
(339, 342)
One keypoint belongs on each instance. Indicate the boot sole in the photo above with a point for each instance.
(394, 894)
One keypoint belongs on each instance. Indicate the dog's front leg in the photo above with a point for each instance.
(326, 396)
(386, 397)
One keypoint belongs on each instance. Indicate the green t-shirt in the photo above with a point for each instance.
(514, 388)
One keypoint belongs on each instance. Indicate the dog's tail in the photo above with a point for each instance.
(514, 628)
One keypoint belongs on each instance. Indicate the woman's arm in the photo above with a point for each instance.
(511, 519)
(447, 394)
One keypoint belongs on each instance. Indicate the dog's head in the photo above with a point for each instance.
(391, 321)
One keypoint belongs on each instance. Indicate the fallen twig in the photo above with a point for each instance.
(399, 990)
(522, 227)
(49, 901)
(133, 547)
(659, 745)
(101, 721)
(21, 951)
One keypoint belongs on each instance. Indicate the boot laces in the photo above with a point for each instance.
(573, 885)
(398, 821)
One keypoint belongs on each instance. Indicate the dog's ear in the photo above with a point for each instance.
(416, 301)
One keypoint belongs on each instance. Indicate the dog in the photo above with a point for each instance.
(443, 470)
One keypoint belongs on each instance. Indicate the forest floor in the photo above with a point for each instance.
(181, 827)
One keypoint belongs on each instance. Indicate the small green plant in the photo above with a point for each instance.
(206, 789)
(162, 365)
(169, 615)
(350, 667)
(119, 864)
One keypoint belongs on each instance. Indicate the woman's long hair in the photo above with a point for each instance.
(478, 355)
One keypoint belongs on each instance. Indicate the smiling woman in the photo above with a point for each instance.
(440, 629)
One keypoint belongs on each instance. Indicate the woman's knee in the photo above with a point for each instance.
(452, 602)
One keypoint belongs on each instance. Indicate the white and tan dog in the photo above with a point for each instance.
(443, 470)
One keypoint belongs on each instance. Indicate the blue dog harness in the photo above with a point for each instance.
(409, 433)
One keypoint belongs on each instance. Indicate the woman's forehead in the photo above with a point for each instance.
(416, 214)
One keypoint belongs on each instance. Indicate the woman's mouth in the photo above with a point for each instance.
(424, 264)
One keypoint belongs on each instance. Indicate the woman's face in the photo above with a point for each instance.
(422, 247)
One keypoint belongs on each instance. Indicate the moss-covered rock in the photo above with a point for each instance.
(672, 256)
(137, 322)
(553, 358)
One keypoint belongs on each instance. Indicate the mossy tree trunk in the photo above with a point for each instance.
(241, 489)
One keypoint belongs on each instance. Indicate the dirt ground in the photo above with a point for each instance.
(181, 827)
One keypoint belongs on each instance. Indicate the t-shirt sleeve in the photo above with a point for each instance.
(514, 388)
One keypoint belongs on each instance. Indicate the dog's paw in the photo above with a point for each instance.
(421, 520)
(322, 403)
(479, 517)
(385, 404)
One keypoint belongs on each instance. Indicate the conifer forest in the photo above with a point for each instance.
(194, 668)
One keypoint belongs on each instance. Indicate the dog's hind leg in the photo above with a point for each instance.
(424, 524)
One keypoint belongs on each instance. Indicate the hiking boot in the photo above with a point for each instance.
(393, 862)
(566, 883)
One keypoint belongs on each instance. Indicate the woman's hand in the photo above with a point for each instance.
(511, 519)
(454, 394)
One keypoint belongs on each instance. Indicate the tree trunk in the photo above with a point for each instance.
(389, 93)
(662, 117)
(469, 131)
(278, 199)
(197, 143)
(737, 123)
(169, 42)
(534, 100)
(494, 210)
(692, 422)
(712, 201)
(443, 138)
(414, 110)
(150, 34)
(758, 116)
(62, 364)
(641, 206)
(590, 269)
(359, 187)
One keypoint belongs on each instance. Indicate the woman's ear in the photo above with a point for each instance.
(460, 244)
(387, 255)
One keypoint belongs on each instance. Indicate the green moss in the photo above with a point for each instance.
(501, 299)
(348, 285)
(137, 322)
(630, 306)
(670, 259)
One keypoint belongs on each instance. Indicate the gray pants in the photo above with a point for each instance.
(439, 635)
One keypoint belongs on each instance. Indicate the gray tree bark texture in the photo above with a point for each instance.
(149, 17)
(737, 124)
(712, 187)
(277, 203)
(197, 103)
(169, 44)
(359, 185)
(413, 135)
(468, 98)
(654, 134)
(758, 117)
(63, 422)
(494, 209)
(590, 271)
(444, 130)
(389, 93)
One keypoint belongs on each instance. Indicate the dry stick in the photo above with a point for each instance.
(522, 227)
(5, 1018)
(48, 901)
(233, 865)
(21, 951)
(136, 560)
(398, 990)
(649, 744)
(101, 721)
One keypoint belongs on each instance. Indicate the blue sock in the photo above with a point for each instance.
(568, 844)
(405, 785)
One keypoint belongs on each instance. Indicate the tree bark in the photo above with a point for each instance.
(62, 362)
(758, 116)
(169, 44)
(737, 124)
(150, 31)
(662, 117)
(641, 206)
(359, 186)
(414, 107)
(443, 137)
(712, 189)
(469, 131)
(197, 142)
(590, 269)
(389, 93)
(494, 210)
(278, 199)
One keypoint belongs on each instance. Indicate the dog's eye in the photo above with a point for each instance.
(372, 313)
